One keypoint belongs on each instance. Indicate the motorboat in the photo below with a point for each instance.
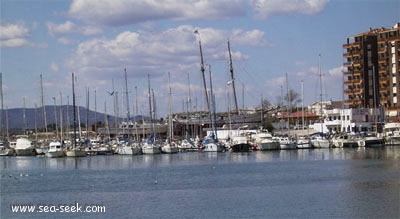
(24, 147)
(371, 139)
(55, 149)
(303, 142)
(344, 140)
(391, 133)
(263, 140)
(240, 143)
(319, 140)
(285, 142)
(5, 150)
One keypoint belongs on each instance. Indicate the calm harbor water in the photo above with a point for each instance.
(315, 183)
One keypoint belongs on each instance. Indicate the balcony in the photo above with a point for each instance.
(350, 45)
(382, 80)
(382, 60)
(354, 91)
(382, 70)
(355, 82)
(353, 102)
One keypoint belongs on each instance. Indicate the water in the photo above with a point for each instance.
(315, 183)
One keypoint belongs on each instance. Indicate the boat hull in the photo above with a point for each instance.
(75, 153)
(55, 154)
(264, 146)
(287, 146)
(303, 145)
(213, 147)
(392, 140)
(320, 143)
(240, 147)
(129, 150)
(7, 152)
(167, 149)
(150, 149)
(25, 152)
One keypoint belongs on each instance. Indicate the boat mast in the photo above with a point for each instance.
(170, 125)
(74, 109)
(202, 71)
(61, 119)
(43, 106)
(288, 101)
(2, 106)
(87, 114)
(302, 104)
(320, 95)
(232, 78)
(151, 113)
(127, 97)
(212, 113)
(24, 116)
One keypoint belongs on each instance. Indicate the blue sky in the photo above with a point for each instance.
(98, 39)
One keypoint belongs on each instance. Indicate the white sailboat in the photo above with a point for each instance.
(152, 145)
(74, 151)
(169, 146)
(211, 143)
(319, 140)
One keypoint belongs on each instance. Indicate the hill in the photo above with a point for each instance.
(34, 116)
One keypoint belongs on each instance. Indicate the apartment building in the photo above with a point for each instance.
(372, 70)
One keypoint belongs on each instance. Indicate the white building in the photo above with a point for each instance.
(349, 120)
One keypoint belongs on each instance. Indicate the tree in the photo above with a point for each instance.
(265, 103)
(292, 97)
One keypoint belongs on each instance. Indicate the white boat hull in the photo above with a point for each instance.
(320, 143)
(287, 146)
(392, 140)
(7, 152)
(55, 154)
(25, 152)
(303, 145)
(213, 147)
(151, 149)
(168, 149)
(263, 146)
(75, 153)
(129, 150)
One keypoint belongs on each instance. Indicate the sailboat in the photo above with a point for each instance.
(151, 146)
(319, 140)
(169, 145)
(211, 143)
(75, 151)
(286, 141)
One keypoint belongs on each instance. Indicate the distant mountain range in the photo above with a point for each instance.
(16, 117)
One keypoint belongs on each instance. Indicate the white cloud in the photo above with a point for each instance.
(69, 27)
(144, 52)
(125, 12)
(267, 8)
(14, 35)
(65, 41)
(53, 67)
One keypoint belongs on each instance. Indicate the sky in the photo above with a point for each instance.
(276, 45)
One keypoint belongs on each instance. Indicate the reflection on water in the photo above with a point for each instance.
(308, 183)
(197, 158)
